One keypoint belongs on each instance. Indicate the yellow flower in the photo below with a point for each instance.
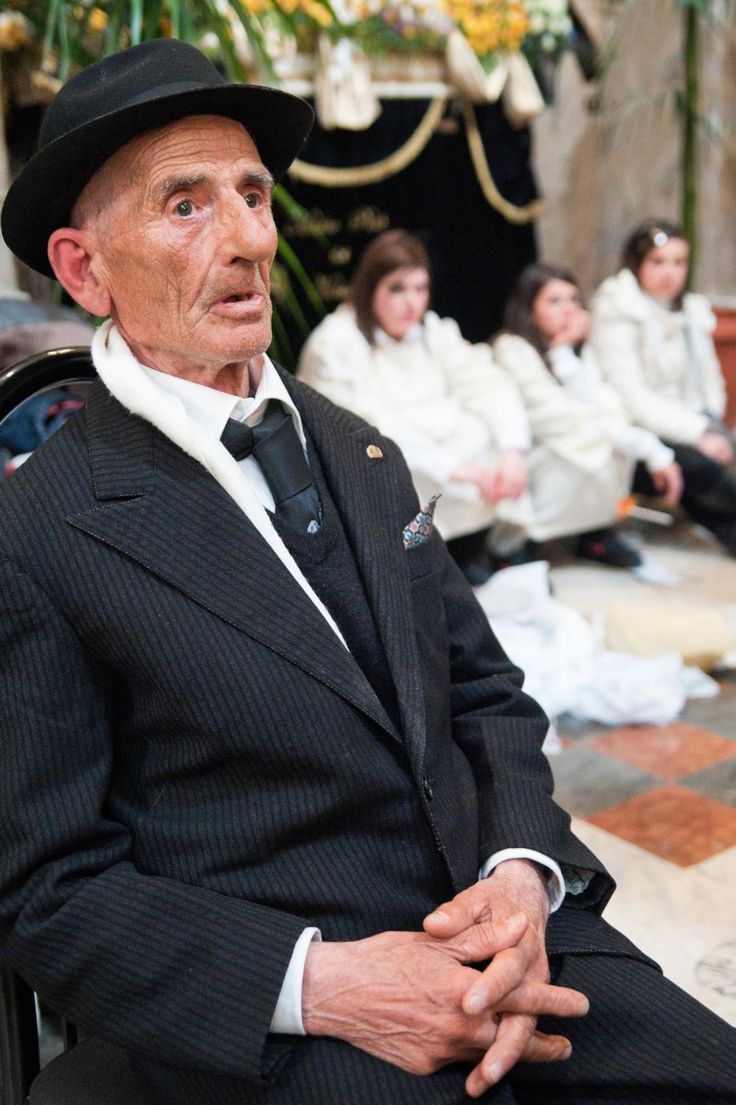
(97, 20)
(490, 25)
(318, 12)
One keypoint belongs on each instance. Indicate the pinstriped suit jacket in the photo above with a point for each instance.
(194, 767)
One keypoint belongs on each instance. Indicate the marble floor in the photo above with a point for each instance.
(658, 803)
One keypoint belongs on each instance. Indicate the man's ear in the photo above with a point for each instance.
(71, 260)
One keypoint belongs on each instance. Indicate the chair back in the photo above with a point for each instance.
(19, 1050)
(53, 368)
(96, 1072)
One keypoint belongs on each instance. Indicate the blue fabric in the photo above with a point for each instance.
(36, 419)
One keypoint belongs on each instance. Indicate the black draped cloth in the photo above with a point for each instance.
(476, 253)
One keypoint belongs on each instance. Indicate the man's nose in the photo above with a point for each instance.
(247, 234)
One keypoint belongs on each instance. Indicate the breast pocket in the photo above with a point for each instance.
(420, 560)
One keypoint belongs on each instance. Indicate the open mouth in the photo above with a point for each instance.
(241, 302)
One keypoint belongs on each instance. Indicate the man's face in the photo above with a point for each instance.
(185, 244)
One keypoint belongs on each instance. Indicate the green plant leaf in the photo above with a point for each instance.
(290, 258)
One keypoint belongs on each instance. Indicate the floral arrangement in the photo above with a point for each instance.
(72, 33)
(491, 25)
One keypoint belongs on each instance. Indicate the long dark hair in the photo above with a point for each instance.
(392, 250)
(518, 315)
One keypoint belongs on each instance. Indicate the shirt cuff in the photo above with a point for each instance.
(287, 1016)
(555, 881)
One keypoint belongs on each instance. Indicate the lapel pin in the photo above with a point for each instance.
(374, 452)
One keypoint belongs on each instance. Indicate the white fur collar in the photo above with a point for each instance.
(622, 295)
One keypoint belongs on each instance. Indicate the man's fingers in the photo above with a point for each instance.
(542, 1048)
(486, 939)
(497, 982)
(502, 986)
(453, 917)
(542, 997)
(512, 1037)
(516, 1039)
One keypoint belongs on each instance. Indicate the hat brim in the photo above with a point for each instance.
(41, 198)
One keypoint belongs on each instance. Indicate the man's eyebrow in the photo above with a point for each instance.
(180, 184)
(254, 177)
(260, 178)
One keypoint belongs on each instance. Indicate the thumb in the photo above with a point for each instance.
(486, 938)
(455, 916)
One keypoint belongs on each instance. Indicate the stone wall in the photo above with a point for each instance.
(717, 178)
(608, 152)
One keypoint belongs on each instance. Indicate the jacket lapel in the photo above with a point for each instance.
(162, 509)
(365, 488)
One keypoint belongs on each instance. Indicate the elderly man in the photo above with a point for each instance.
(275, 816)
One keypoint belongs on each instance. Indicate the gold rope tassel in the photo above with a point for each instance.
(510, 211)
(355, 177)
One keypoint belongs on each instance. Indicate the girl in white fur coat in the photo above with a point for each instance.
(653, 342)
(457, 418)
(584, 447)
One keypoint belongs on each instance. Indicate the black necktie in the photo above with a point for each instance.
(275, 444)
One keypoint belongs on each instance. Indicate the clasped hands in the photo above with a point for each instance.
(415, 999)
(508, 480)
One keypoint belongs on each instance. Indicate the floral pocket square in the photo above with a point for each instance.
(419, 530)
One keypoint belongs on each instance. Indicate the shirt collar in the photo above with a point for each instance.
(210, 409)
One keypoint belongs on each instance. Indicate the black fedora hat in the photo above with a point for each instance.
(115, 100)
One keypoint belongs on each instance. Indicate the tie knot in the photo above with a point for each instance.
(238, 439)
(241, 440)
(275, 444)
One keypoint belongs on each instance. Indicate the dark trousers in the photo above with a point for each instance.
(709, 495)
(643, 1042)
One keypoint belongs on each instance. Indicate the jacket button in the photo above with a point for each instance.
(427, 788)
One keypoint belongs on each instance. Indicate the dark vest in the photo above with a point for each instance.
(327, 561)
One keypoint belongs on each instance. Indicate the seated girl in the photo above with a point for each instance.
(653, 342)
(584, 448)
(456, 417)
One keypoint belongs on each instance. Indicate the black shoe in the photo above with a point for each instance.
(477, 572)
(604, 546)
(527, 553)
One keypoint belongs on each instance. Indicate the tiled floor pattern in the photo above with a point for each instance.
(658, 804)
(670, 789)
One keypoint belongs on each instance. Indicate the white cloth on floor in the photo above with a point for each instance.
(567, 669)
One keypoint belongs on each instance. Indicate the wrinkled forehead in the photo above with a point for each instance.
(184, 146)
(196, 139)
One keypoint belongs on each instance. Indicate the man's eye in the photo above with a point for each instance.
(253, 199)
(184, 208)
